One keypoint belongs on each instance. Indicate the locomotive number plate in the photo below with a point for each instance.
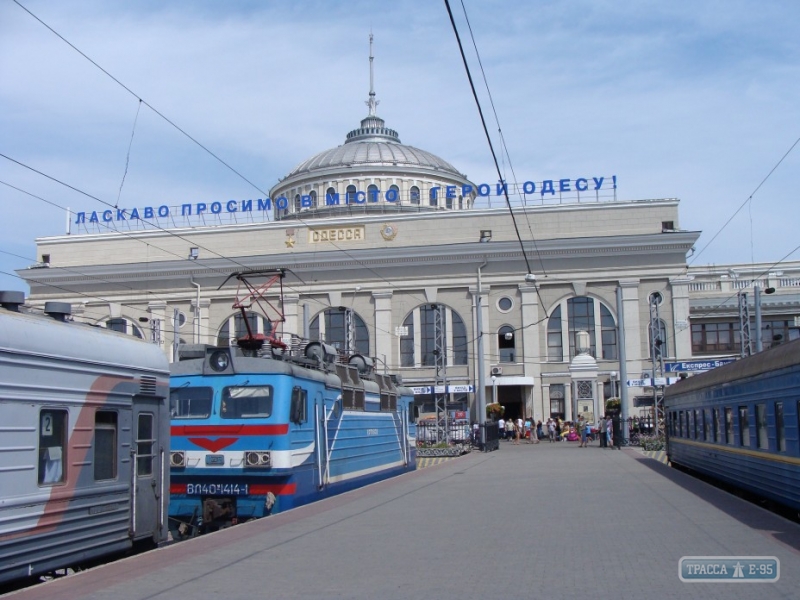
(217, 489)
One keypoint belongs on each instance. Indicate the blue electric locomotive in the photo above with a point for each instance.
(740, 424)
(257, 434)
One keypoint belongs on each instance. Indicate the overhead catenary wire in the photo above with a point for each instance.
(142, 101)
(489, 141)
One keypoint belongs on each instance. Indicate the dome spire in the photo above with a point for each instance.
(373, 128)
(372, 103)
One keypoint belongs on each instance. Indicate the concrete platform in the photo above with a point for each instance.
(543, 521)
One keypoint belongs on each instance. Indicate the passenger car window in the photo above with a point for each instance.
(52, 446)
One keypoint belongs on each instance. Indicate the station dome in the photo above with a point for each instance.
(371, 171)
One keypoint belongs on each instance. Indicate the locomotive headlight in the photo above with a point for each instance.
(177, 459)
(257, 458)
(219, 360)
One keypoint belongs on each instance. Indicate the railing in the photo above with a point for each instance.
(431, 433)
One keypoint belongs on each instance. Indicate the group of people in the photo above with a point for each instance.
(581, 431)
(516, 429)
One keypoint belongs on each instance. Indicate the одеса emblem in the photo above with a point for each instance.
(388, 232)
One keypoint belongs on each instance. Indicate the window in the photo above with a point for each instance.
(52, 446)
(506, 344)
(330, 194)
(236, 324)
(505, 304)
(105, 445)
(761, 426)
(717, 425)
(715, 337)
(557, 401)
(433, 196)
(122, 325)
(780, 433)
(396, 194)
(744, 427)
(373, 193)
(190, 402)
(351, 194)
(681, 424)
(774, 333)
(299, 409)
(728, 425)
(313, 195)
(246, 402)
(555, 349)
(333, 330)
(608, 329)
(692, 431)
(708, 425)
(580, 312)
(581, 318)
(414, 195)
(420, 324)
(145, 442)
(297, 204)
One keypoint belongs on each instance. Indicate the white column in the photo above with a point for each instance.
(384, 332)
(681, 324)
(292, 324)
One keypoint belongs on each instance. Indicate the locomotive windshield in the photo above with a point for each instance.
(246, 402)
(190, 402)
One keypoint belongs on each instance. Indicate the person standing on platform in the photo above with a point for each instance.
(501, 426)
(582, 431)
(601, 432)
(551, 430)
(519, 430)
(609, 432)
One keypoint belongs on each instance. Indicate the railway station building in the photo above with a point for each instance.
(391, 252)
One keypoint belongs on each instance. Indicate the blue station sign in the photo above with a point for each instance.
(695, 366)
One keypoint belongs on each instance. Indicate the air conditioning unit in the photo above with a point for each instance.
(497, 370)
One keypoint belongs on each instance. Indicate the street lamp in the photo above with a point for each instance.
(613, 384)
(494, 389)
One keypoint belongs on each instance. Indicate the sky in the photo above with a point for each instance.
(688, 99)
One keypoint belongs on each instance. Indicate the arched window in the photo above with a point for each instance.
(608, 333)
(373, 193)
(234, 328)
(351, 194)
(330, 193)
(123, 325)
(433, 196)
(414, 194)
(420, 324)
(506, 344)
(580, 314)
(396, 194)
(448, 202)
(313, 195)
(332, 329)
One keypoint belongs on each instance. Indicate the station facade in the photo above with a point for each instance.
(387, 246)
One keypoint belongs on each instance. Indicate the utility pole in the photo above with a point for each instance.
(623, 365)
(440, 359)
(481, 387)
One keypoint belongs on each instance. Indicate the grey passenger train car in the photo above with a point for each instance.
(84, 432)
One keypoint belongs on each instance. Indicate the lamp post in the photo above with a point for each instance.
(494, 389)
